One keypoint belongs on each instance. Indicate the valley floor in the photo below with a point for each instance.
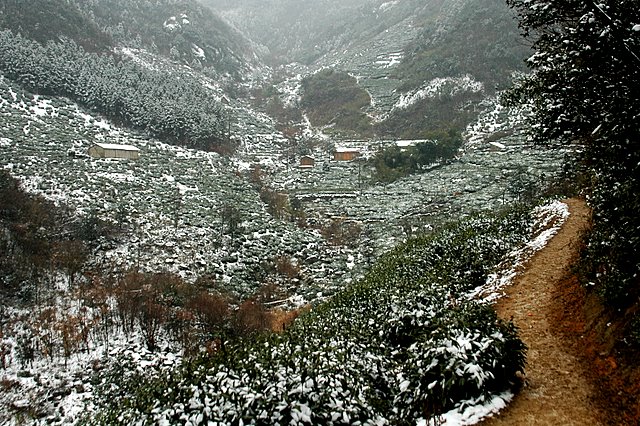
(559, 387)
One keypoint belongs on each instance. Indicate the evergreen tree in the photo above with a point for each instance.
(586, 67)
(584, 90)
(179, 110)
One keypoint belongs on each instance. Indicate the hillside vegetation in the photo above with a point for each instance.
(479, 39)
(168, 218)
(334, 99)
(403, 343)
(46, 20)
(182, 30)
(395, 50)
(38, 234)
(140, 291)
(101, 54)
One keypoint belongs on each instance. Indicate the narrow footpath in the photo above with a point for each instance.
(557, 389)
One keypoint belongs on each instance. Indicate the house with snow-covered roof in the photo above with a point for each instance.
(346, 154)
(307, 162)
(406, 143)
(108, 150)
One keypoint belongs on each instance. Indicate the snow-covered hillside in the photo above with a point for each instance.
(167, 204)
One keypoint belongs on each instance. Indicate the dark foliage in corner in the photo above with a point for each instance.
(46, 20)
(37, 238)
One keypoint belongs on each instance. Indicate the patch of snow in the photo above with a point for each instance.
(198, 52)
(183, 189)
(351, 261)
(42, 107)
(136, 55)
(290, 91)
(171, 24)
(13, 94)
(470, 412)
(388, 5)
(390, 60)
(494, 118)
(102, 124)
(437, 87)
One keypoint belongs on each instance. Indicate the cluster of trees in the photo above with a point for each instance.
(431, 114)
(68, 48)
(196, 36)
(180, 110)
(41, 243)
(158, 307)
(99, 25)
(44, 20)
(333, 98)
(193, 316)
(39, 240)
(394, 162)
(584, 92)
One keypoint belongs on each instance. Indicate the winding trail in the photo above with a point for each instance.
(557, 389)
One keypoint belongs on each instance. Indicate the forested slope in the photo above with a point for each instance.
(122, 59)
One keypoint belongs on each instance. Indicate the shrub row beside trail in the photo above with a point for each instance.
(401, 344)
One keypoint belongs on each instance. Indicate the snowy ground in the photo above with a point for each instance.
(484, 176)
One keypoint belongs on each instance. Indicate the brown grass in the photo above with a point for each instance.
(280, 320)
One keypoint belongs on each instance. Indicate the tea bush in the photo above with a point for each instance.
(403, 343)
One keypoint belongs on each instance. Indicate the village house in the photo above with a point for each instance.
(106, 150)
(307, 162)
(346, 154)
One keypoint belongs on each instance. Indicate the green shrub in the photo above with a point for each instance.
(402, 343)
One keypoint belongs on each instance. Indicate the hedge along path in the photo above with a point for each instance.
(557, 390)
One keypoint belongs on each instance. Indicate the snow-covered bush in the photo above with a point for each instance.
(401, 344)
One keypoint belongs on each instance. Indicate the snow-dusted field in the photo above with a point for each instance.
(485, 176)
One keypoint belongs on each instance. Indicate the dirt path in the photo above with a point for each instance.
(557, 390)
